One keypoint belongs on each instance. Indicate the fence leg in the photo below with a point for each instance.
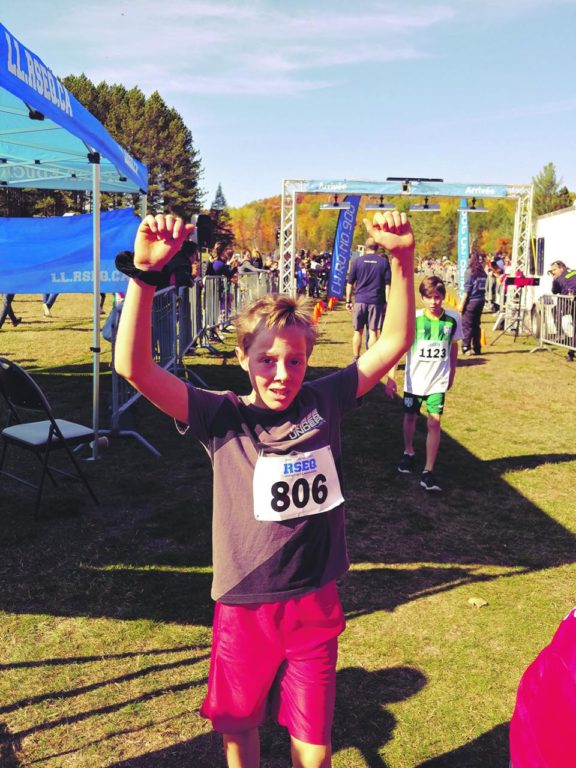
(136, 435)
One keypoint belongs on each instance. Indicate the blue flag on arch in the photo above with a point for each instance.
(343, 246)
(463, 245)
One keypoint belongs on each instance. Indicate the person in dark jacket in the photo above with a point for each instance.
(564, 283)
(472, 304)
(369, 278)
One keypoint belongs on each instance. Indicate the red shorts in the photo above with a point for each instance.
(276, 659)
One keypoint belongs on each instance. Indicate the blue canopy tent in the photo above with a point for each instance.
(48, 140)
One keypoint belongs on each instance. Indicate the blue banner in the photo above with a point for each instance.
(342, 247)
(54, 255)
(357, 187)
(416, 188)
(463, 245)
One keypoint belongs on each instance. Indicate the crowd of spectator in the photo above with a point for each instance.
(311, 269)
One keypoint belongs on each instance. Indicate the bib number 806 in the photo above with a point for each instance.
(299, 495)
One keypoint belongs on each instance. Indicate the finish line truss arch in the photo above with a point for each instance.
(523, 195)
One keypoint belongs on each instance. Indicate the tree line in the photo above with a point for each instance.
(255, 225)
(149, 130)
(157, 135)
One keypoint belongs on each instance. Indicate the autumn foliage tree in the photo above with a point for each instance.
(436, 234)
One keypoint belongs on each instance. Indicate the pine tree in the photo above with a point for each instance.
(565, 197)
(548, 196)
(155, 134)
(220, 215)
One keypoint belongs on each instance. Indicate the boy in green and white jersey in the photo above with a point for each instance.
(429, 374)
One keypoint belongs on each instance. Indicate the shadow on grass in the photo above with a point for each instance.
(361, 699)
(204, 748)
(490, 749)
(125, 678)
(479, 519)
(384, 589)
(519, 350)
(9, 749)
(79, 717)
(204, 751)
(145, 552)
(64, 661)
(470, 362)
(361, 720)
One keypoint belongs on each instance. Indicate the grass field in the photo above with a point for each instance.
(105, 611)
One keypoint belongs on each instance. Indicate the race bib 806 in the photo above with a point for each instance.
(295, 485)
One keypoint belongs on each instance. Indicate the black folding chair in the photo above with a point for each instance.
(23, 395)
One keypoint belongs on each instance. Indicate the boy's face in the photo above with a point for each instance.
(433, 303)
(276, 363)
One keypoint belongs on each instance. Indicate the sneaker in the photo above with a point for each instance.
(429, 482)
(406, 465)
(46, 310)
(16, 321)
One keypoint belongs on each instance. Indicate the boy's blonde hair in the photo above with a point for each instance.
(273, 312)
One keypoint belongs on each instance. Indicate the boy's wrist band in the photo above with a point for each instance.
(125, 264)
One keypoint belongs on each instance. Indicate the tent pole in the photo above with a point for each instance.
(95, 302)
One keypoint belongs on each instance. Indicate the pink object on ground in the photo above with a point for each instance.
(544, 721)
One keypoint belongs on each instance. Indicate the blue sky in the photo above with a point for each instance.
(473, 91)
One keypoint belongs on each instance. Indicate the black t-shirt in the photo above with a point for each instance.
(257, 561)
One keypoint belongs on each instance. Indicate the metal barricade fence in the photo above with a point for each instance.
(492, 292)
(164, 328)
(164, 352)
(190, 318)
(196, 318)
(447, 271)
(449, 274)
(558, 321)
(185, 335)
(496, 295)
(252, 286)
(190, 330)
(216, 302)
(181, 320)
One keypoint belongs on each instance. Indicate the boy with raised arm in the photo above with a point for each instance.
(278, 514)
